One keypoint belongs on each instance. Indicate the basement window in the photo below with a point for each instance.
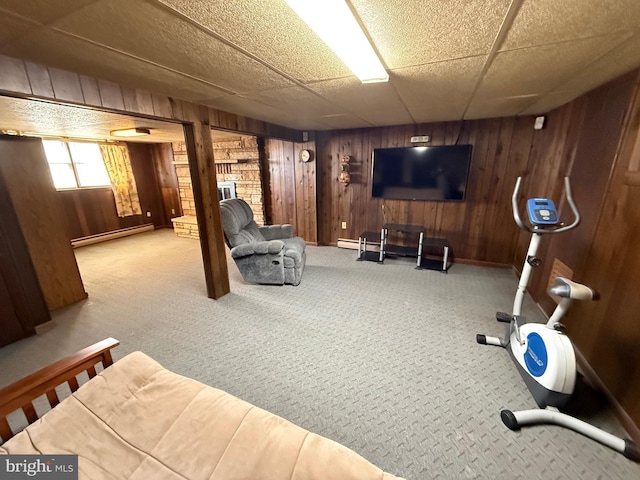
(75, 164)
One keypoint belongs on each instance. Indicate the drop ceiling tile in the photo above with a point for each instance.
(622, 59)
(351, 94)
(151, 33)
(550, 101)
(387, 116)
(344, 121)
(422, 84)
(59, 50)
(499, 107)
(308, 123)
(541, 22)
(271, 31)
(438, 110)
(296, 100)
(43, 11)
(250, 108)
(538, 70)
(408, 33)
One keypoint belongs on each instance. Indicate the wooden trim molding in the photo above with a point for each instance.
(20, 395)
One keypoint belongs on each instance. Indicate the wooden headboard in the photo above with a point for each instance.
(20, 395)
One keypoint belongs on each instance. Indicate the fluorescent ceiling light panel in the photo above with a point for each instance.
(334, 23)
(131, 132)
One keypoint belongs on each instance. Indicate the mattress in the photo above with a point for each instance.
(137, 420)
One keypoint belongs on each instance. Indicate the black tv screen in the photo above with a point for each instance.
(421, 173)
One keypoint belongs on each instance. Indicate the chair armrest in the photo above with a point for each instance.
(272, 247)
(274, 232)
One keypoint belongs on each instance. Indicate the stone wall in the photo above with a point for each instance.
(237, 160)
(181, 162)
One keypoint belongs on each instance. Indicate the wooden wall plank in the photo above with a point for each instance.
(177, 110)
(588, 133)
(161, 106)
(305, 195)
(111, 95)
(149, 192)
(607, 332)
(23, 298)
(66, 85)
(91, 211)
(11, 329)
(162, 154)
(286, 192)
(39, 79)
(137, 101)
(42, 221)
(90, 90)
(13, 75)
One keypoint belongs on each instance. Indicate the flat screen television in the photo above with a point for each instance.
(437, 173)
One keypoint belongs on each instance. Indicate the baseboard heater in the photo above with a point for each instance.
(353, 245)
(103, 237)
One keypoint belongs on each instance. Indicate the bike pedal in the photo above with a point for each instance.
(503, 317)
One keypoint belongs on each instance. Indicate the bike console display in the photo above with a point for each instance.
(542, 211)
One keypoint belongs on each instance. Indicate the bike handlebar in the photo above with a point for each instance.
(522, 225)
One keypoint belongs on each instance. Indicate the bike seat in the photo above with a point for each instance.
(565, 288)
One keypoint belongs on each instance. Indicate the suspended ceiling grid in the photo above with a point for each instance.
(446, 60)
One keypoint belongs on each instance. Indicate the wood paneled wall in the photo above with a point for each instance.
(602, 251)
(26, 174)
(150, 164)
(596, 141)
(478, 229)
(30, 80)
(22, 304)
(290, 187)
(581, 141)
(34, 80)
(162, 155)
(91, 211)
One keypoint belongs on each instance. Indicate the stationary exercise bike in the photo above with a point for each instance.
(542, 353)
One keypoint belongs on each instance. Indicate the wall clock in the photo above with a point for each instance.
(305, 155)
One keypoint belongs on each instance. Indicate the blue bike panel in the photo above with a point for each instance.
(542, 211)
(535, 358)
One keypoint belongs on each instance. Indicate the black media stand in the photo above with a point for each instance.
(390, 249)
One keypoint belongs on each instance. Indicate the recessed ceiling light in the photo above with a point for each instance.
(131, 132)
(334, 23)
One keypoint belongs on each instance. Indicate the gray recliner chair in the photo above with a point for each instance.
(270, 254)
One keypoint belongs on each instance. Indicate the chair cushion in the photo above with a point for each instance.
(237, 222)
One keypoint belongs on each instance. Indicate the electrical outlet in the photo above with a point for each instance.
(173, 211)
(344, 225)
(148, 214)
